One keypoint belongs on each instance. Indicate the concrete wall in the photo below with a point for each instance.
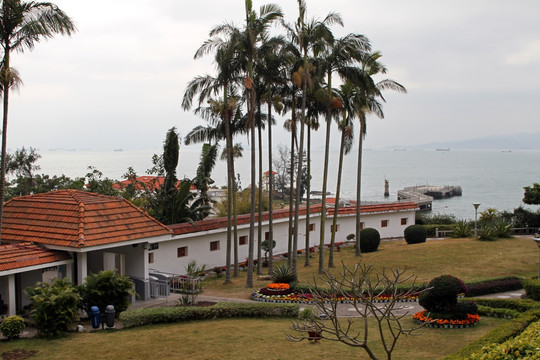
(166, 259)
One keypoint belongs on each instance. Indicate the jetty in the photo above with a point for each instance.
(424, 195)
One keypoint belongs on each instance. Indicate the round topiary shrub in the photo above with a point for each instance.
(442, 296)
(415, 234)
(12, 327)
(369, 240)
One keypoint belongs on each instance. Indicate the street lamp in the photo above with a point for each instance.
(476, 205)
(537, 241)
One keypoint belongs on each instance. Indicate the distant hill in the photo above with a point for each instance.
(521, 141)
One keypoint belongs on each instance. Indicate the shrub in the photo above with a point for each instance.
(502, 229)
(461, 229)
(487, 233)
(369, 240)
(12, 327)
(283, 274)
(493, 286)
(532, 288)
(442, 294)
(53, 306)
(435, 219)
(106, 288)
(524, 346)
(415, 234)
(159, 315)
(431, 229)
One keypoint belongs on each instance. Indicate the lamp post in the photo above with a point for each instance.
(537, 241)
(476, 205)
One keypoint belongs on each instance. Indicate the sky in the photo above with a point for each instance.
(471, 69)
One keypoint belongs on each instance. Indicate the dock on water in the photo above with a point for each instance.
(424, 195)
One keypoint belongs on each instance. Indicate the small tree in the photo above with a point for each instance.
(363, 284)
(54, 306)
(532, 194)
(106, 288)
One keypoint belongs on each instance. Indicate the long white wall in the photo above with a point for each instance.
(167, 257)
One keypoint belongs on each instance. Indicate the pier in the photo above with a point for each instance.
(424, 195)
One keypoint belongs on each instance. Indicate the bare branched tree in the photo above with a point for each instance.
(361, 286)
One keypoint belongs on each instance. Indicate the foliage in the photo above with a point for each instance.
(283, 274)
(524, 217)
(435, 219)
(532, 288)
(12, 327)
(159, 315)
(532, 194)
(461, 229)
(502, 229)
(431, 230)
(203, 179)
(364, 284)
(441, 298)
(53, 306)
(502, 333)
(265, 246)
(243, 203)
(192, 269)
(524, 346)
(369, 240)
(96, 184)
(487, 233)
(106, 288)
(415, 234)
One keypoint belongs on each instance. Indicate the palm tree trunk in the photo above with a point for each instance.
(235, 224)
(249, 278)
(230, 190)
(259, 226)
(270, 193)
(291, 188)
(308, 195)
(6, 84)
(336, 206)
(358, 251)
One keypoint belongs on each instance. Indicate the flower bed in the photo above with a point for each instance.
(265, 296)
(471, 320)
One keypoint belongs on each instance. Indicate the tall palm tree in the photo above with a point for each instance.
(22, 26)
(371, 92)
(338, 56)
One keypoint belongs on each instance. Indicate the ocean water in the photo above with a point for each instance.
(494, 179)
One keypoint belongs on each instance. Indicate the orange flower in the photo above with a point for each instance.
(278, 286)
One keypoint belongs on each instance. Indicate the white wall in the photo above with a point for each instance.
(198, 244)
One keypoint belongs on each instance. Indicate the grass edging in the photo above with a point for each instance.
(160, 315)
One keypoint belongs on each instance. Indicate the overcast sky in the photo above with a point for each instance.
(471, 68)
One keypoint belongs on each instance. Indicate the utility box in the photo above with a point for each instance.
(109, 316)
(94, 317)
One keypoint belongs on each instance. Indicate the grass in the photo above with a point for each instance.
(467, 259)
(237, 339)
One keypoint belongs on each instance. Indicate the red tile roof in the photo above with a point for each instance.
(218, 223)
(76, 218)
(22, 255)
(150, 182)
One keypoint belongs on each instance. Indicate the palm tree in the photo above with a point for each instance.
(370, 105)
(22, 25)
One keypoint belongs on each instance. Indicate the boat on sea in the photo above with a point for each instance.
(506, 151)
(443, 149)
(118, 149)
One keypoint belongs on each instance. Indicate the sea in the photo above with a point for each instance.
(493, 178)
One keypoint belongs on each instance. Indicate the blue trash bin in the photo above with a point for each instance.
(94, 316)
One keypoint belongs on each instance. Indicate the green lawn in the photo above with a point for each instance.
(468, 259)
(237, 339)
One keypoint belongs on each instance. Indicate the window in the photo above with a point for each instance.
(153, 246)
(403, 221)
(242, 240)
(181, 251)
(267, 235)
(384, 223)
(337, 228)
(150, 258)
(214, 245)
(311, 227)
(361, 225)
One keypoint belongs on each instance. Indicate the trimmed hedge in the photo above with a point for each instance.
(498, 335)
(504, 284)
(521, 305)
(415, 234)
(159, 315)
(369, 240)
(532, 288)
